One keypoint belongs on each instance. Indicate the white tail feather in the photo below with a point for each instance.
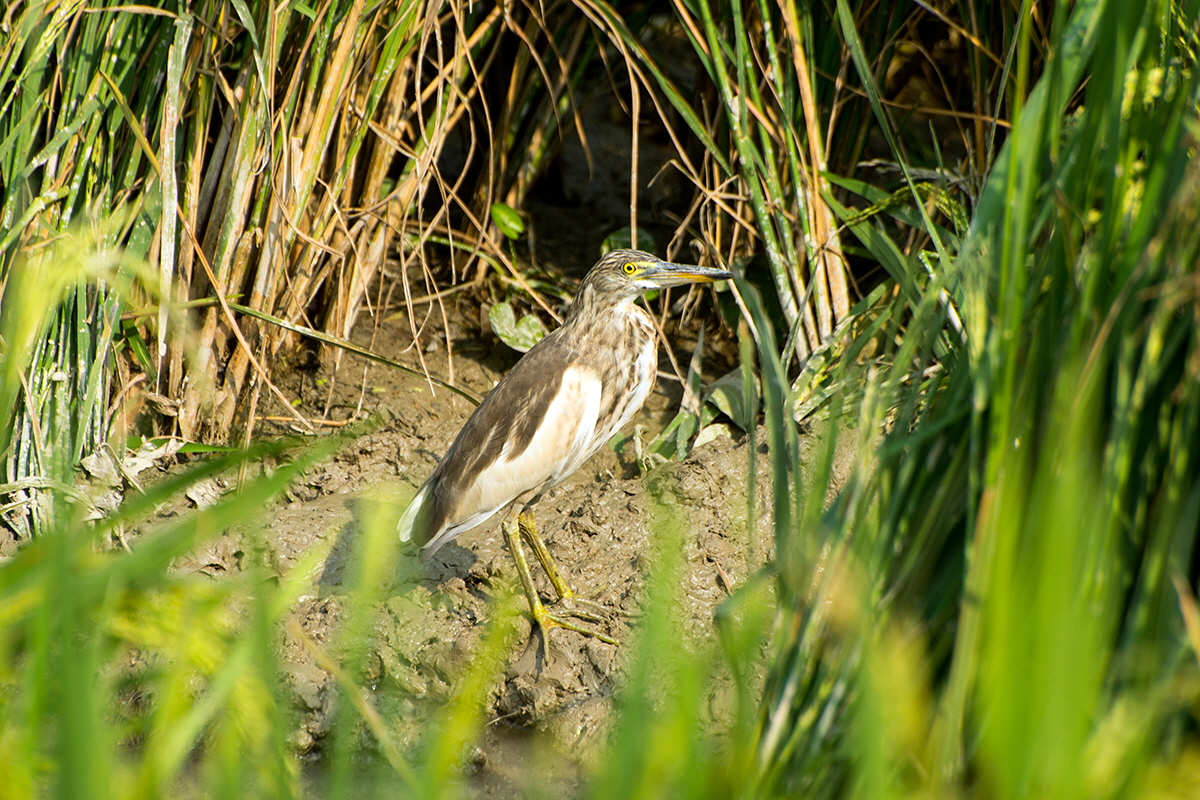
(405, 526)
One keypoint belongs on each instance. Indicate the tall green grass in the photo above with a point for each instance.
(989, 605)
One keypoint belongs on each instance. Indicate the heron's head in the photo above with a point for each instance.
(622, 275)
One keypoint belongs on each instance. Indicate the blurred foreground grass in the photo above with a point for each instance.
(1000, 603)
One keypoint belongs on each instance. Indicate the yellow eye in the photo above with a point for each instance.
(629, 269)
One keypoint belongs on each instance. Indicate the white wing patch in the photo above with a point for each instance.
(563, 441)
(584, 413)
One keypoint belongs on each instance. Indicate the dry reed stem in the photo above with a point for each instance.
(832, 296)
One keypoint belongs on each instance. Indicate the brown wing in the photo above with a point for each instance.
(510, 415)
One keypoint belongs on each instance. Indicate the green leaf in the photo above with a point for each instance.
(709, 433)
(521, 334)
(667, 444)
(508, 220)
(133, 337)
(727, 394)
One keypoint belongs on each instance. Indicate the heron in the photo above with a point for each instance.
(564, 399)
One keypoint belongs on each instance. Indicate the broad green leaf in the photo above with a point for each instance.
(508, 220)
(520, 334)
(726, 393)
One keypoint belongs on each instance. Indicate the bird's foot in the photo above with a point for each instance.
(545, 621)
(572, 602)
(582, 608)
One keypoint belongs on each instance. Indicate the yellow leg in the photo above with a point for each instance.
(566, 595)
(541, 617)
(529, 533)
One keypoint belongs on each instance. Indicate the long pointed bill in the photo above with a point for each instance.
(665, 274)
